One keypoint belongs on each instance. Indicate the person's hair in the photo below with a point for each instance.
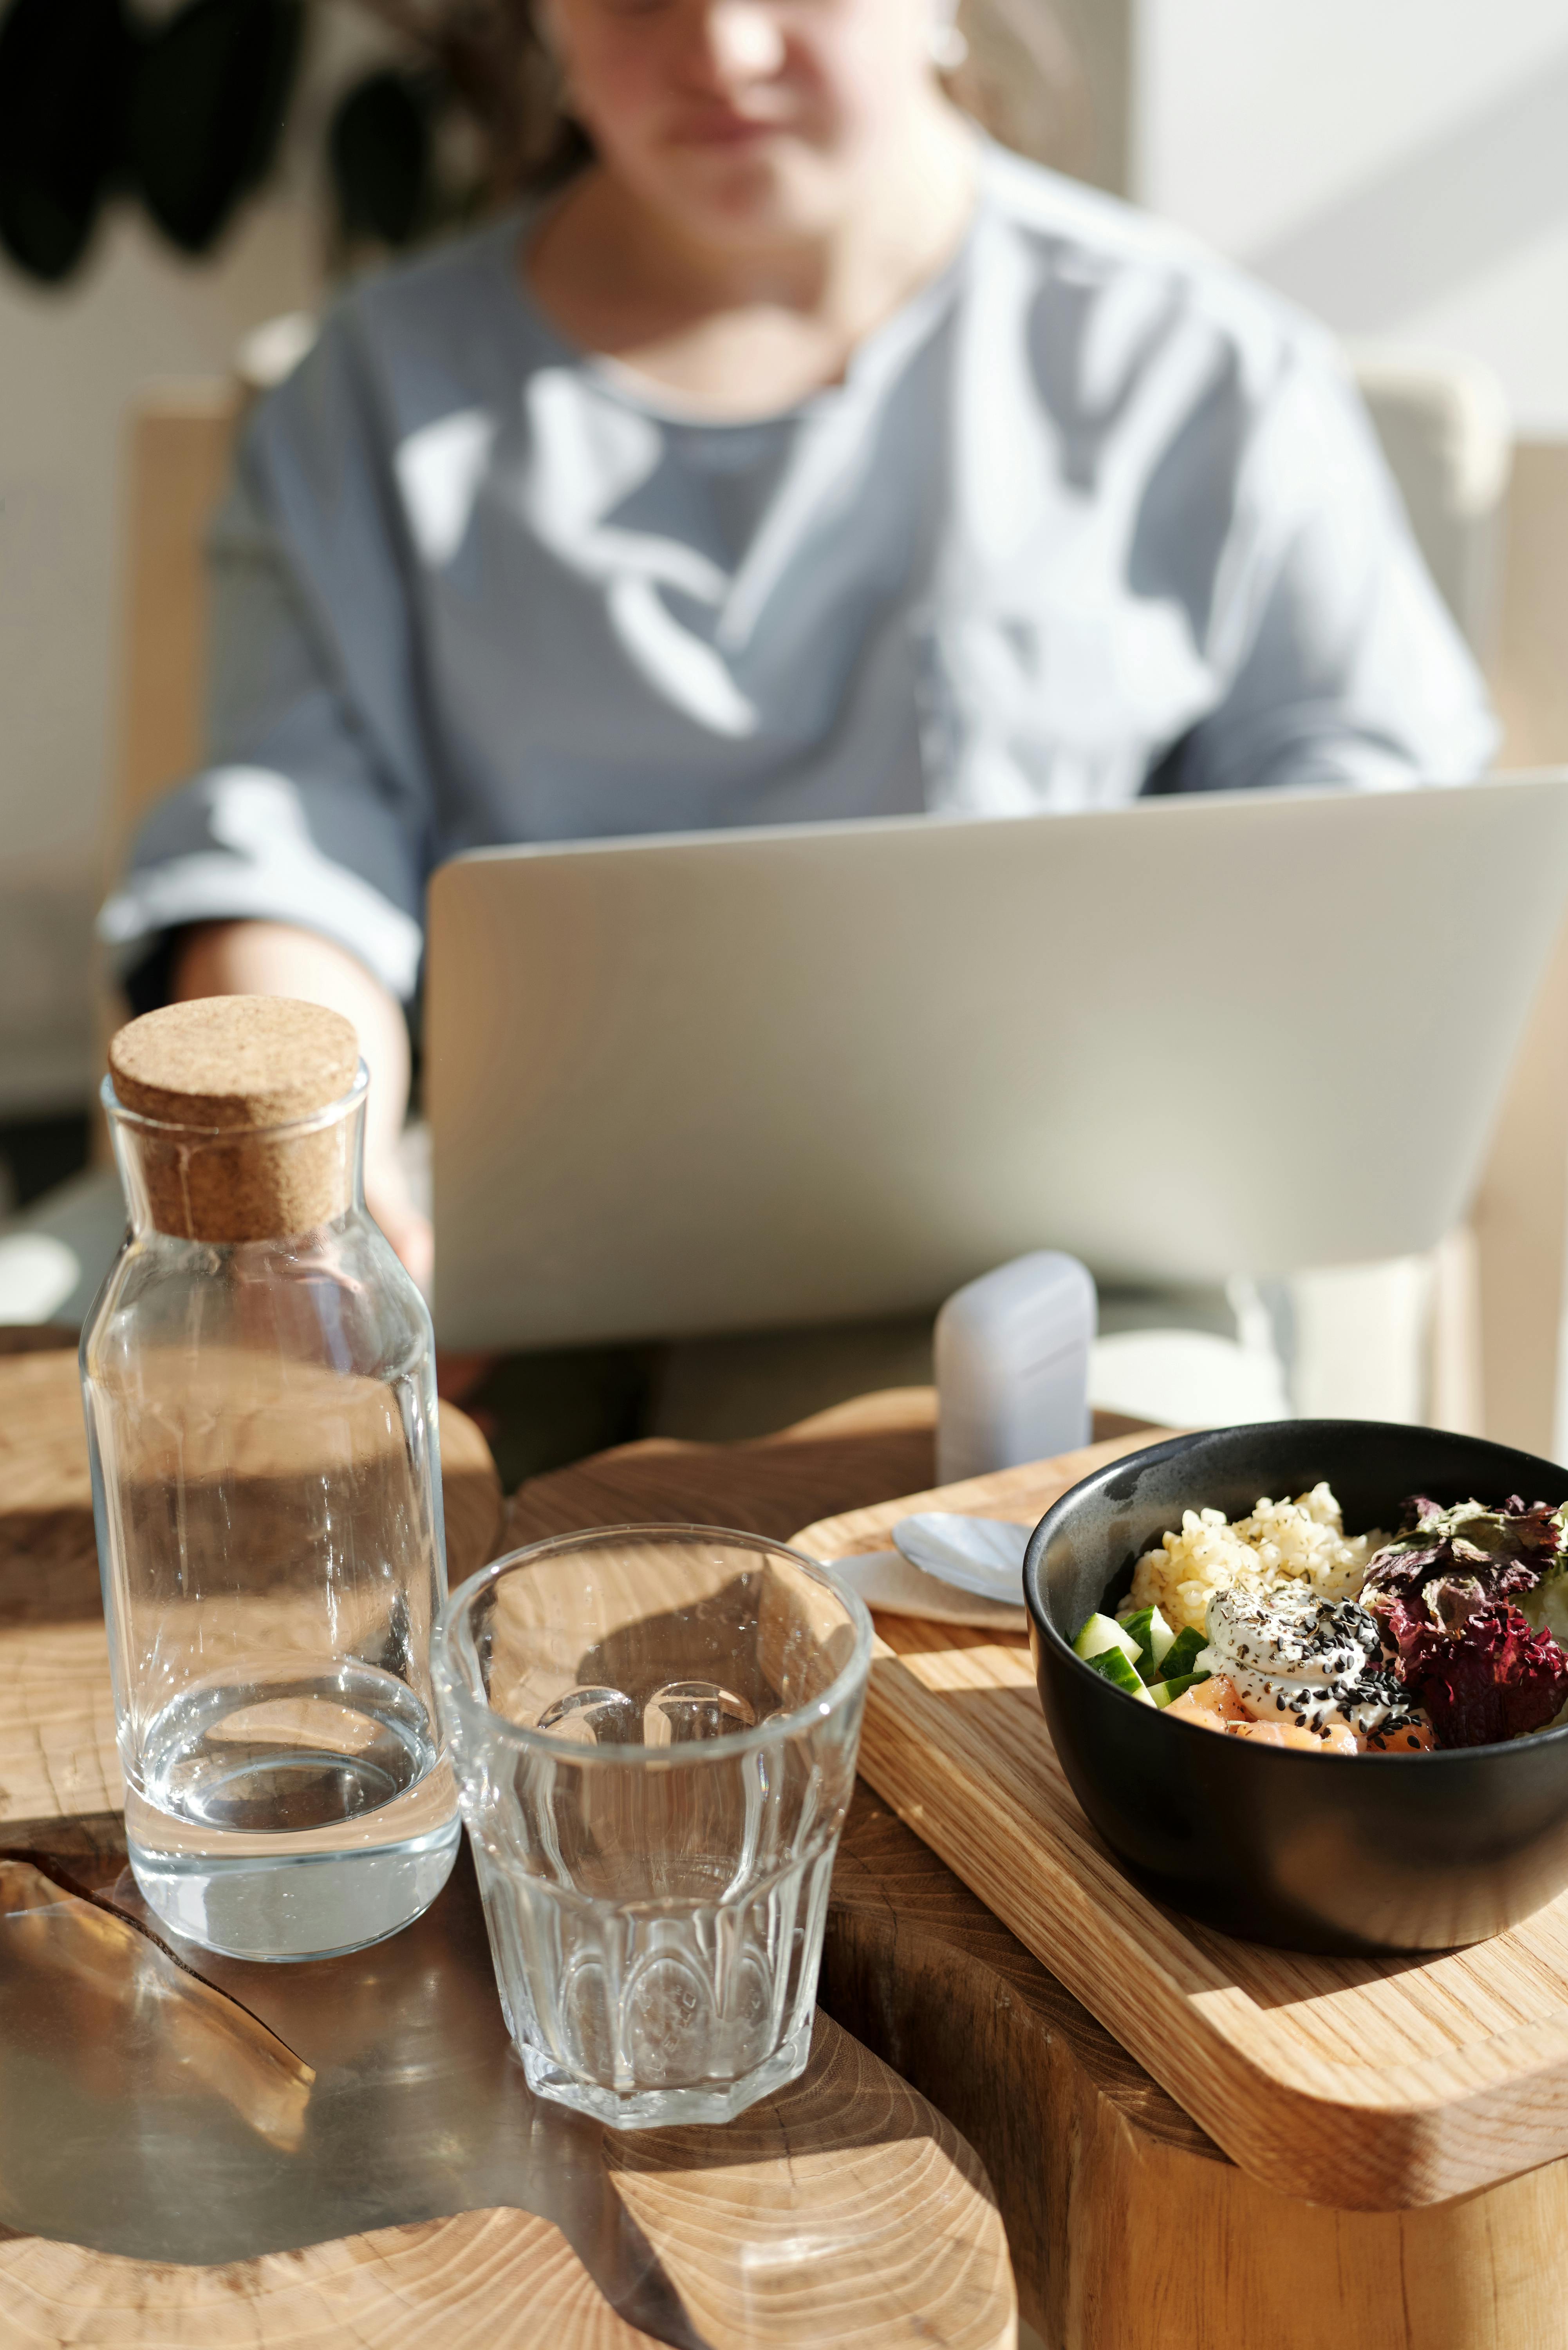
(1022, 81)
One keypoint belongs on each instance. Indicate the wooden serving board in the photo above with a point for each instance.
(1366, 2085)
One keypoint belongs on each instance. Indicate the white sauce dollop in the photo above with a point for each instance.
(1292, 1655)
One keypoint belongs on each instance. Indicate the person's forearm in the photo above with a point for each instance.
(274, 958)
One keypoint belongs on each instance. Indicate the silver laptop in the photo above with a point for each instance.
(808, 1074)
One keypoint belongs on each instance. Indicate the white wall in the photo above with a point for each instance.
(1399, 166)
(72, 361)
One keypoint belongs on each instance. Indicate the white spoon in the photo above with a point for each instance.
(982, 1555)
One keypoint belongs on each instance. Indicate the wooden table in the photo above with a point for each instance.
(845, 2211)
(1129, 2230)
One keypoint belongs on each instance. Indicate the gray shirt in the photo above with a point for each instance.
(1091, 516)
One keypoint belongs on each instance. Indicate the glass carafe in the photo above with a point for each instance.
(261, 1418)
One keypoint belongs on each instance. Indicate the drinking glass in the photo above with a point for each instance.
(654, 1731)
(262, 1422)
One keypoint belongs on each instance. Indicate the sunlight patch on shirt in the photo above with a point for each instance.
(438, 471)
(680, 665)
(266, 866)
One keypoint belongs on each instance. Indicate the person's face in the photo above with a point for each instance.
(747, 121)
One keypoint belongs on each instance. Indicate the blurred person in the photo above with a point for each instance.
(805, 454)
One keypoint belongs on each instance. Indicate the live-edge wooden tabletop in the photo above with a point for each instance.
(1128, 2228)
(845, 2211)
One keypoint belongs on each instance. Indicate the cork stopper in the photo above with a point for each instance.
(223, 1075)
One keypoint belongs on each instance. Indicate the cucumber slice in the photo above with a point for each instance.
(1103, 1632)
(1154, 1635)
(1182, 1655)
(1163, 1692)
(1120, 1671)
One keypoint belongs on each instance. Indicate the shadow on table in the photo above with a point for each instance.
(142, 2115)
(135, 2120)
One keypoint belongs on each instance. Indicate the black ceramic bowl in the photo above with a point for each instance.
(1316, 1852)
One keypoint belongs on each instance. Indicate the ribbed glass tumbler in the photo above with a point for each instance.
(654, 1730)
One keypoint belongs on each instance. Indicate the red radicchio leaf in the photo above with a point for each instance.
(1501, 1551)
(1490, 1679)
(1536, 1527)
(1414, 1575)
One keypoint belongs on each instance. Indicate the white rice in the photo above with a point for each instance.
(1281, 1542)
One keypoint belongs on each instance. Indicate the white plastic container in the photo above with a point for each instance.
(1013, 1366)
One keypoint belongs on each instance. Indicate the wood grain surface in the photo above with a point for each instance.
(766, 2223)
(845, 2211)
(1129, 2228)
(837, 1459)
(474, 2282)
(1370, 2084)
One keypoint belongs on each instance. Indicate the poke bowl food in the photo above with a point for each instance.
(1336, 1720)
(1282, 1629)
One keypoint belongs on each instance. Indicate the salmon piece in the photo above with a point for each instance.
(1290, 1733)
(1410, 1738)
(1215, 1705)
(1212, 1705)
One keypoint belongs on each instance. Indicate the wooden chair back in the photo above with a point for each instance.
(177, 441)
(178, 445)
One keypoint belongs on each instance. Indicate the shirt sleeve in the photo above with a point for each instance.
(1344, 665)
(315, 805)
